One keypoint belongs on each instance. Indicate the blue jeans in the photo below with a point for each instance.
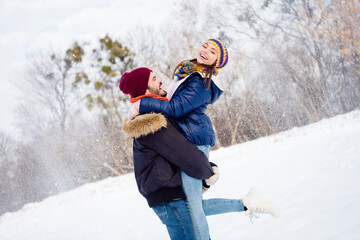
(193, 191)
(199, 208)
(176, 217)
(187, 220)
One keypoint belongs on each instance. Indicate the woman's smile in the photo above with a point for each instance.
(202, 55)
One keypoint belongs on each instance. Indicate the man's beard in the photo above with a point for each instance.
(164, 93)
(158, 92)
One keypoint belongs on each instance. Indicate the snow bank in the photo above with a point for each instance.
(311, 173)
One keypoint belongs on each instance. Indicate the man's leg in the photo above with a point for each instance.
(176, 217)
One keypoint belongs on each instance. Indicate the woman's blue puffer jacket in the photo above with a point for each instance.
(187, 107)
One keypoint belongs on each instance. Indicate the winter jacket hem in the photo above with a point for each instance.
(165, 195)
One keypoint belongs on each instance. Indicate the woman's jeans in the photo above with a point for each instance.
(198, 208)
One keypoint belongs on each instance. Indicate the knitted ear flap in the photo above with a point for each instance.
(215, 72)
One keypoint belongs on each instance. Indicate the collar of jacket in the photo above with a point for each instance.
(144, 124)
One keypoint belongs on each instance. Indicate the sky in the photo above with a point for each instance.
(28, 27)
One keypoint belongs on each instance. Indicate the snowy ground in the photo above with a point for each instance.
(311, 173)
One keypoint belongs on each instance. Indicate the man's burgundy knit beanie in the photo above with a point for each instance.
(135, 82)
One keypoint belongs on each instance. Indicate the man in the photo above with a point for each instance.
(160, 152)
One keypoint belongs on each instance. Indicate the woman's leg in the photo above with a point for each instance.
(216, 206)
(219, 205)
(193, 190)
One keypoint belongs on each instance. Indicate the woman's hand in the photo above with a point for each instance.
(213, 179)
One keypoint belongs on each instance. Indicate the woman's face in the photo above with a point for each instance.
(207, 54)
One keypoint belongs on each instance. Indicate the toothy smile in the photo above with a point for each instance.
(203, 56)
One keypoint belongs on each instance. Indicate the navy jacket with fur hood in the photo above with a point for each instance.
(160, 151)
(187, 107)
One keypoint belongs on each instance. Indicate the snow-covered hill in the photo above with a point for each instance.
(312, 174)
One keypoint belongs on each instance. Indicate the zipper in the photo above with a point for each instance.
(188, 126)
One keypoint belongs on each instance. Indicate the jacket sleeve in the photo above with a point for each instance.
(175, 148)
(192, 96)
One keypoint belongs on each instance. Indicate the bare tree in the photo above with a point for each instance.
(303, 69)
(48, 91)
(177, 39)
(5, 143)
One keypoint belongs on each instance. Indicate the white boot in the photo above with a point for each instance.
(255, 202)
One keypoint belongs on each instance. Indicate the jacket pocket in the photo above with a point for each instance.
(188, 126)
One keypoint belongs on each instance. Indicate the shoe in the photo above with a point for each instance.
(255, 202)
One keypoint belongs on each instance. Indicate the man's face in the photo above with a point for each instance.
(154, 86)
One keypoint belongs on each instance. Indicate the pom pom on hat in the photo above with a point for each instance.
(135, 82)
(222, 53)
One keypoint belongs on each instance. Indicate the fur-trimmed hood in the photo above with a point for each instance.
(144, 124)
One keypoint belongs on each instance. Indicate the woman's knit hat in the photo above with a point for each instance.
(135, 82)
(222, 52)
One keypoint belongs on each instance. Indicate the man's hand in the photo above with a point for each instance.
(134, 110)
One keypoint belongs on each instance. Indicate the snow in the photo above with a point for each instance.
(310, 173)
